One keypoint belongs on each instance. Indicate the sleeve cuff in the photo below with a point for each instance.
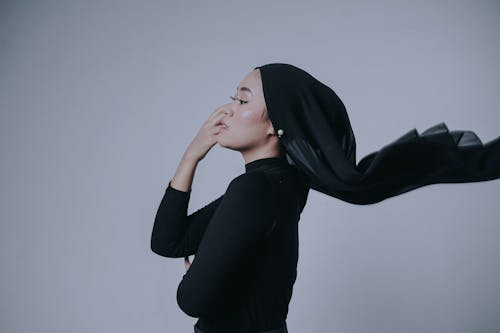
(178, 192)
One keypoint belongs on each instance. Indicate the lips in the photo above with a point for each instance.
(223, 123)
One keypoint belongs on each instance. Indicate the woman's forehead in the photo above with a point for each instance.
(251, 83)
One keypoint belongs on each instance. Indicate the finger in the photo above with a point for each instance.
(218, 111)
(217, 129)
(213, 114)
(216, 119)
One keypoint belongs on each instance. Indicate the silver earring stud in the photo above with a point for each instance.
(280, 133)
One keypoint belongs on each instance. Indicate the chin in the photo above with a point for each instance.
(221, 142)
(225, 144)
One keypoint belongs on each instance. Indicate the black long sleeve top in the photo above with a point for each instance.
(245, 244)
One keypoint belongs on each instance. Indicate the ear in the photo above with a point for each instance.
(270, 128)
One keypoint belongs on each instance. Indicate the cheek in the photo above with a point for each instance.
(247, 124)
(249, 119)
(250, 127)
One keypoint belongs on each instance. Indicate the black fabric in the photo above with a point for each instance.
(245, 244)
(319, 140)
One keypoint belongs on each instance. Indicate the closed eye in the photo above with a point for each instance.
(241, 101)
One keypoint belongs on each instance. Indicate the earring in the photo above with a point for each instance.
(280, 133)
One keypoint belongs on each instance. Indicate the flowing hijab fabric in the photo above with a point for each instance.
(317, 137)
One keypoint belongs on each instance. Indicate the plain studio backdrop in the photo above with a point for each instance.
(99, 100)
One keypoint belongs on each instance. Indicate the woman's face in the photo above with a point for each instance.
(248, 125)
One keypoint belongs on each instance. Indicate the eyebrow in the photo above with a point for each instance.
(245, 89)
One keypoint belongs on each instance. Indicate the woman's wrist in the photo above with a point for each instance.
(188, 158)
(184, 174)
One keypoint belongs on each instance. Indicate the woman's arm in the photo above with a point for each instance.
(183, 178)
(176, 234)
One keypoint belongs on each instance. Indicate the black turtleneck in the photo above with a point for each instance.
(245, 244)
(270, 164)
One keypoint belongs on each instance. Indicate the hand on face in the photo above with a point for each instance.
(206, 137)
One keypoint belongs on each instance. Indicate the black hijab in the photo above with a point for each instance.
(314, 130)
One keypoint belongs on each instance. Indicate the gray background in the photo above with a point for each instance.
(99, 99)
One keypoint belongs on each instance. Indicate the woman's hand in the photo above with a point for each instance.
(187, 263)
(206, 137)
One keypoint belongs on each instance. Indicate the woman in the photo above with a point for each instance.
(245, 241)
(294, 134)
